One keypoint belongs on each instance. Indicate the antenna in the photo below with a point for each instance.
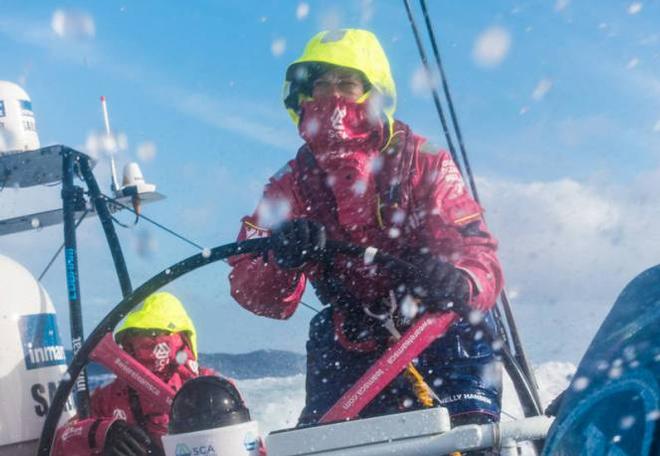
(106, 120)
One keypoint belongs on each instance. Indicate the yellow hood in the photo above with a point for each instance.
(162, 311)
(351, 48)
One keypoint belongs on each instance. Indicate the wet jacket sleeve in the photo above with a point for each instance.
(256, 282)
(84, 437)
(456, 232)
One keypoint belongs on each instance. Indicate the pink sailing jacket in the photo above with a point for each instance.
(419, 204)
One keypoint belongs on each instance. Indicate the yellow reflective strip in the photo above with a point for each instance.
(364, 97)
(256, 227)
(468, 218)
(379, 216)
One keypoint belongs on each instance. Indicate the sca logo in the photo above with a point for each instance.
(250, 442)
(184, 450)
(42, 346)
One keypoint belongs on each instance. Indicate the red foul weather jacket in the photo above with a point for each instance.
(117, 401)
(420, 205)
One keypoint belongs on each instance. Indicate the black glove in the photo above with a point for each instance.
(441, 286)
(295, 242)
(123, 439)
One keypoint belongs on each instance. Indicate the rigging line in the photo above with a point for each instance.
(174, 233)
(450, 103)
(516, 342)
(52, 260)
(159, 225)
(434, 92)
(124, 225)
(310, 307)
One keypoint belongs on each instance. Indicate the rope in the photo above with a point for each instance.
(422, 390)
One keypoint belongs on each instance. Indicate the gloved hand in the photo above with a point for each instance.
(441, 286)
(295, 242)
(123, 439)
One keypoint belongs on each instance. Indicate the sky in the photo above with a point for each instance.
(559, 104)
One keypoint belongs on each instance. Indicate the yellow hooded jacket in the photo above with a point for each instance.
(350, 48)
(161, 311)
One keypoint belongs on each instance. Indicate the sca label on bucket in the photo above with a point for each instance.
(42, 346)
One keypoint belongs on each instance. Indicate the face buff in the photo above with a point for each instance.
(345, 139)
(157, 353)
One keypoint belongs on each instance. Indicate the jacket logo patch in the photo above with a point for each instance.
(71, 431)
(119, 414)
(337, 120)
(450, 174)
(194, 366)
(254, 233)
(162, 354)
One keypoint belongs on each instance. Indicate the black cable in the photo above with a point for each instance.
(124, 225)
(52, 260)
(174, 233)
(155, 223)
(312, 308)
(517, 344)
(434, 92)
(515, 341)
(450, 103)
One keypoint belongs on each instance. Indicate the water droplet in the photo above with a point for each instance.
(407, 403)
(409, 307)
(475, 317)
(360, 187)
(627, 422)
(302, 11)
(615, 372)
(168, 271)
(181, 357)
(398, 217)
(602, 365)
(629, 353)
(580, 383)
(35, 223)
(206, 253)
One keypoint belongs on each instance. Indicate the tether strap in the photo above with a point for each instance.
(91, 436)
(136, 408)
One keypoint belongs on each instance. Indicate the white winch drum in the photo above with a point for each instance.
(18, 129)
(32, 357)
(237, 440)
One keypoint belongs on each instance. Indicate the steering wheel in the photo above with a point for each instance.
(112, 319)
